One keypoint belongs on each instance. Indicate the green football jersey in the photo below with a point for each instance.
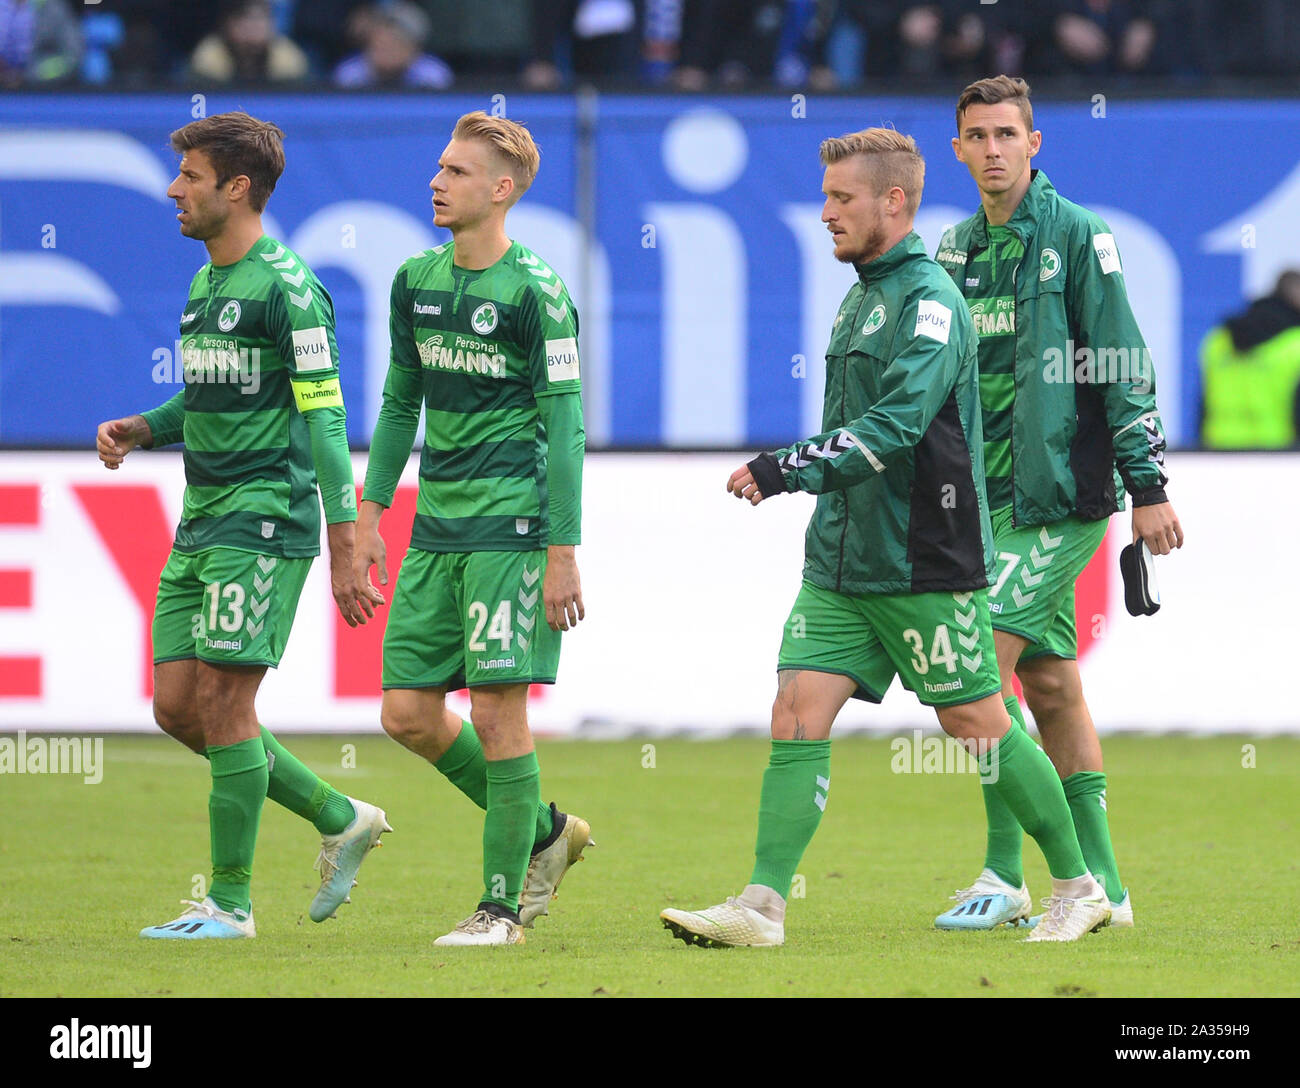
(479, 349)
(992, 301)
(258, 350)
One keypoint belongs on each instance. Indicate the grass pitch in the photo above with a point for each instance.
(1206, 844)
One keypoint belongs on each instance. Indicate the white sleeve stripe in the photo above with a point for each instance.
(1140, 419)
(875, 461)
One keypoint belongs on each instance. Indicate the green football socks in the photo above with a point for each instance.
(795, 786)
(1085, 791)
(513, 796)
(1002, 853)
(464, 766)
(291, 784)
(1028, 785)
(239, 779)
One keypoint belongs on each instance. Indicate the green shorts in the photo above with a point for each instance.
(465, 619)
(226, 606)
(939, 644)
(1037, 566)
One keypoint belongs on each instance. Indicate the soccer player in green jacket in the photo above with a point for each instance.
(1070, 421)
(264, 427)
(485, 338)
(898, 554)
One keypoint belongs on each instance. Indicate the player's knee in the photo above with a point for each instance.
(170, 716)
(401, 723)
(1050, 691)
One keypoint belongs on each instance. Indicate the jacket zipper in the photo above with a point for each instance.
(844, 390)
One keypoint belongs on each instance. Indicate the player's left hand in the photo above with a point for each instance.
(742, 485)
(1158, 526)
(562, 589)
(356, 597)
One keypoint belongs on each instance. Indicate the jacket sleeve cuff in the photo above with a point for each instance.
(1152, 496)
(767, 475)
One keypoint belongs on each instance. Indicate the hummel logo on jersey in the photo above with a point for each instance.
(874, 320)
(434, 310)
(484, 319)
(229, 316)
(187, 318)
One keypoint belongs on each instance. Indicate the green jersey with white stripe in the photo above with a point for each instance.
(482, 350)
(991, 295)
(262, 408)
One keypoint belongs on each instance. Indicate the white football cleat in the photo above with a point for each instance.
(1070, 919)
(986, 904)
(728, 925)
(483, 928)
(547, 867)
(341, 856)
(1121, 913)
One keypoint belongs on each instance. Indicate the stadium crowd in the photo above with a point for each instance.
(687, 45)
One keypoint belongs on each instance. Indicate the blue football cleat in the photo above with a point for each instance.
(204, 920)
(987, 904)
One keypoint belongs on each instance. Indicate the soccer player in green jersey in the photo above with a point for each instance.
(262, 419)
(1070, 421)
(485, 337)
(898, 553)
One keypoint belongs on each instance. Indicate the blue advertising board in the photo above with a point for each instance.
(691, 240)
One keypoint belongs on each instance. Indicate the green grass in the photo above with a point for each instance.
(1206, 845)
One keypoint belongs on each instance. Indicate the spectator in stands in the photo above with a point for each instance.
(601, 39)
(494, 49)
(324, 29)
(1250, 371)
(1100, 37)
(40, 42)
(392, 57)
(247, 49)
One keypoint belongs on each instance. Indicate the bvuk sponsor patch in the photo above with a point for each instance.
(311, 349)
(562, 360)
(1107, 253)
(933, 319)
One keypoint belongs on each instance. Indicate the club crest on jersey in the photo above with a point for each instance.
(1049, 265)
(229, 316)
(874, 320)
(484, 319)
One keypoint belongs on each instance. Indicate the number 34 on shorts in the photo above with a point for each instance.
(939, 644)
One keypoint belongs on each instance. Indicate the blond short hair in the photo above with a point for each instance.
(892, 158)
(509, 140)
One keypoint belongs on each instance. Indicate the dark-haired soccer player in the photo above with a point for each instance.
(898, 552)
(1068, 398)
(485, 337)
(264, 427)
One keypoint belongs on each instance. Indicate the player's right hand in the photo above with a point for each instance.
(368, 551)
(115, 439)
(742, 485)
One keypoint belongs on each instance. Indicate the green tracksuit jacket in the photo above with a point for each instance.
(1085, 388)
(899, 469)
